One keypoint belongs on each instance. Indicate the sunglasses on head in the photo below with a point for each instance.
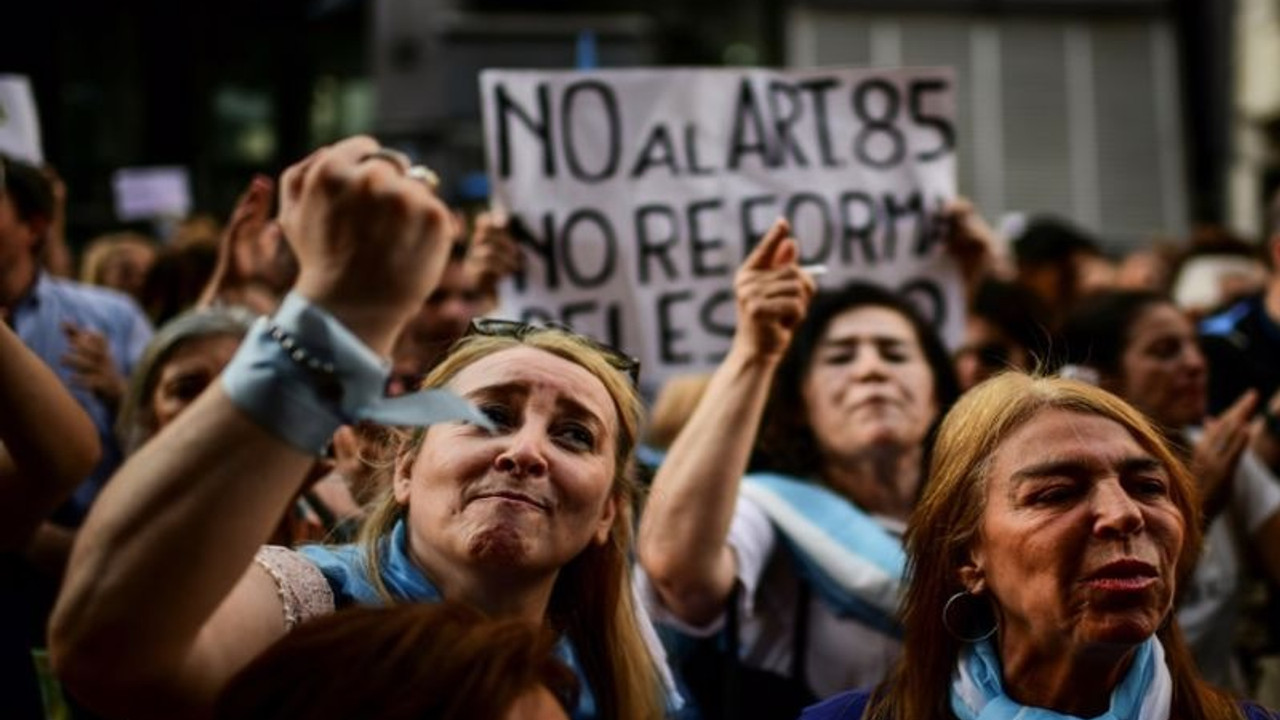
(495, 327)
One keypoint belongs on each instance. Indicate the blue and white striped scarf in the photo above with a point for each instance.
(853, 564)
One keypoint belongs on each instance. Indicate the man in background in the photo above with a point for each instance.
(90, 336)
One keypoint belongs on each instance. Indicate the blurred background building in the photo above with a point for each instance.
(1133, 117)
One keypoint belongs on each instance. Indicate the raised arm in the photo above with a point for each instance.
(977, 249)
(686, 522)
(493, 255)
(160, 605)
(47, 442)
(245, 247)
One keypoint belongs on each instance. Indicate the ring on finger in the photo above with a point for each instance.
(426, 175)
(395, 157)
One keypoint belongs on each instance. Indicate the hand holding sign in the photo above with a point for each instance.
(773, 294)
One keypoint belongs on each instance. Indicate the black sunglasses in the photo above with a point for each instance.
(496, 327)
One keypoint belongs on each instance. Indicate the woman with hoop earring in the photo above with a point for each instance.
(1044, 558)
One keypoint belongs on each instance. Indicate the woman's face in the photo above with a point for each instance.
(530, 495)
(1079, 539)
(187, 372)
(868, 384)
(1162, 371)
(986, 351)
(126, 268)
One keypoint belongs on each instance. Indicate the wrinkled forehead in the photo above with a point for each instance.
(531, 370)
(1063, 438)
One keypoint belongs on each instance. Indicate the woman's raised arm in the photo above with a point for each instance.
(160, 604)
(686, 522)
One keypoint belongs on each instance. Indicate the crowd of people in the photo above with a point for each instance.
(329, 486)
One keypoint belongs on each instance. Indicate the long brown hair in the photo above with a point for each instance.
(592, 602)
(945, 525)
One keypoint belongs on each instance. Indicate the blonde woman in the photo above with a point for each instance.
(521, 512)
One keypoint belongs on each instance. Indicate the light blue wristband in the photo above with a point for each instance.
(301, 375)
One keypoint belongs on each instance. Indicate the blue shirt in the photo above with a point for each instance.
(38, 318)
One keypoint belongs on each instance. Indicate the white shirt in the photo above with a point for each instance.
(843, 653)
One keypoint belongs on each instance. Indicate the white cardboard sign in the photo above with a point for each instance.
(146, 193)
(19, 121)
(639, 192)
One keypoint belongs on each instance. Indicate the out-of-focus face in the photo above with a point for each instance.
(1162, 371)
(1142, 270)
(987, 350)
(444, 317)
(1093, 273)
(125, 269)
(187, 372)
(1079, 538)
(17, 238)
(529, 497)
(869, 384)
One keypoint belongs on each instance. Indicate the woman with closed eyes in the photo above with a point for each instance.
(1046, 552)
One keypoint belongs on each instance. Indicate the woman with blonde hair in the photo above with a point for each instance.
(605, 643)
(119, 261)
(1043, 559)
(519, 509)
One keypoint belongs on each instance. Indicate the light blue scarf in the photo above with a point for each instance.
(977, 692)
(344, 567)
(853, 564)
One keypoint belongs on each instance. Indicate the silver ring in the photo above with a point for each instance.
(426, 175)
(395, 157)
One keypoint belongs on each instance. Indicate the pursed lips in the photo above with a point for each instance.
(512, 495)
(872, 400)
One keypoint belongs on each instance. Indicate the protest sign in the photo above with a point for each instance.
(147, 193)
(19, 121)
(637, 193)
